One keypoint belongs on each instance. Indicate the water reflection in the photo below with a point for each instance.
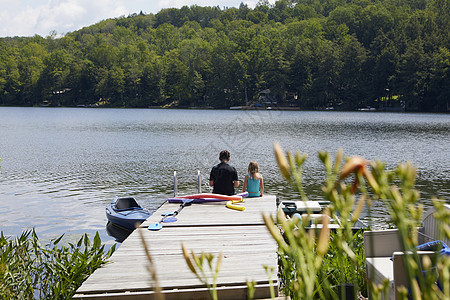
(61, 167)
(119, 233)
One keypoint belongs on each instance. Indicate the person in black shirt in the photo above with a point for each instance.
(223, 177)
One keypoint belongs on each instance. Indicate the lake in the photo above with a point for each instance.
(60, 167)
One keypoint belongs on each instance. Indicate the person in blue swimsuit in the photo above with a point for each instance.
(253, 182)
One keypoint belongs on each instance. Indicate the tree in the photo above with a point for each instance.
(153, 83)
(413, 78)
(315, 69)
(349, 91)
(31, 66)
(321, 52)
(195, 55)
(436, 97)
(10, 83)
(53, 82)
(382, 67)
(176, 72)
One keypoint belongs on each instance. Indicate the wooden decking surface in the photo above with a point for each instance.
(241, 236)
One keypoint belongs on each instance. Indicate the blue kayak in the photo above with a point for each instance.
(126, 212)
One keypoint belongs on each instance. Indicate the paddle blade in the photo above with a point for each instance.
(169, 220)
(155, 227)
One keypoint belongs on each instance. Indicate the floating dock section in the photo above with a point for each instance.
(246, 245)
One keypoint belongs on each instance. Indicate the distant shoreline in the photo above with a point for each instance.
(262, 108)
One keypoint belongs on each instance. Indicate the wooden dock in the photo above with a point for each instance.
(212, 228)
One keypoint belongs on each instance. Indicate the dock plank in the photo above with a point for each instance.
(210, 214)
(239, 236)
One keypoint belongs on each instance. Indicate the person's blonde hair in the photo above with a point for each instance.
(253, 169)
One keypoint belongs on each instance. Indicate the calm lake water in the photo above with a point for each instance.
(60, 167)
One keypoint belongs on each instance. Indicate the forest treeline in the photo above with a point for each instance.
(311, 54)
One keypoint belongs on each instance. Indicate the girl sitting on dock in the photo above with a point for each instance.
(253, 182)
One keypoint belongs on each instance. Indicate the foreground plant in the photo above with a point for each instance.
(428, 275)
(300, 256)
(308, 265)
(152, 269)
(196, 265)
(310, 273)
(29, 270)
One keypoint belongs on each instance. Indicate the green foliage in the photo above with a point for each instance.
(396, 189)
(196, 264)
(311, 54)
(314, 267)
(340, 269)
(29, 270)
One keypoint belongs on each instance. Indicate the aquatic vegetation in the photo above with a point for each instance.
(151, 269)
(196, 265)
(330, 264)
(30, 270)
(319, 267)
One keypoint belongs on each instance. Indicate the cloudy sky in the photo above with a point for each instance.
(30, 17)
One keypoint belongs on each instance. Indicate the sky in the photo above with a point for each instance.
(31, 17)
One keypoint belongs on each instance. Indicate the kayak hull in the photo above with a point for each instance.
(126, 212)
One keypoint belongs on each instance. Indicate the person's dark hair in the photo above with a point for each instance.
(224, 155)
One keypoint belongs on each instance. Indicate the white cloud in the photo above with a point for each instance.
(30, 17)
(18, 18)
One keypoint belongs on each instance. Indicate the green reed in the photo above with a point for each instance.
(315, 267)
(196, 264)
(30, 270)
(428, 275)
(319, 264)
